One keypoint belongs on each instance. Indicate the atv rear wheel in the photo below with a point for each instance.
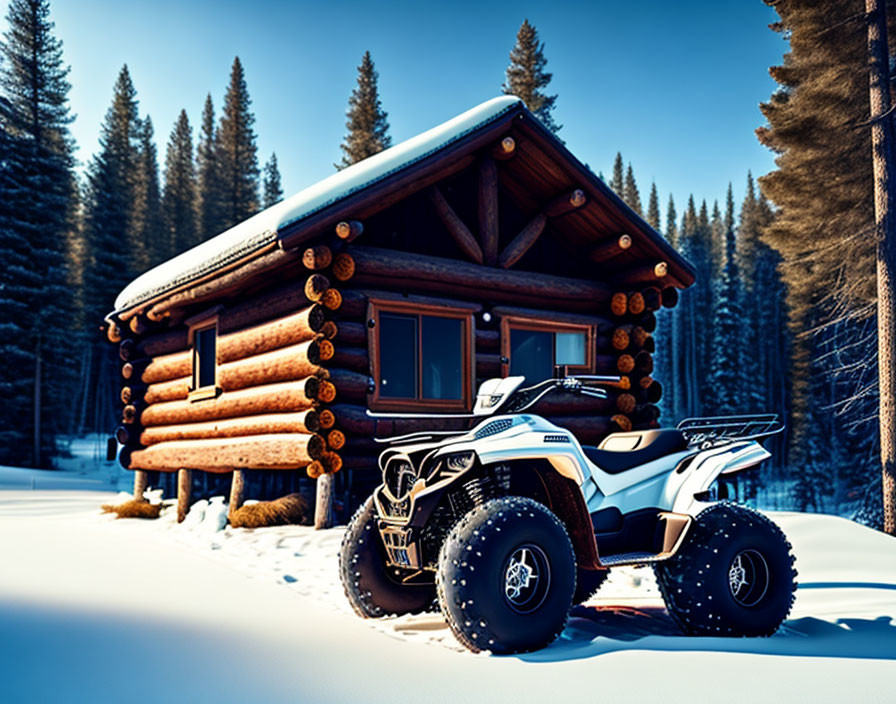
(733, 576)
(373, 588)
(506, 576)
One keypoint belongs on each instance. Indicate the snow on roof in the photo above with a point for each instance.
(261, 229)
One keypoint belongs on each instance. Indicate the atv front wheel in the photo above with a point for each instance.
(733, 576)
(506, 577)
(371, 586)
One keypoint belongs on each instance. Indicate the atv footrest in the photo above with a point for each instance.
(631, 558)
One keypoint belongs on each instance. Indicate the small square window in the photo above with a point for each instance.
(204, 363)
(536, 348)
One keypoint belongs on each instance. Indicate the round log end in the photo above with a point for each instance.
(652, 298)
(129, 414)
(649, 345)
(316, 317)
(625, 383)
(127, 370)
(326, 393)
(620, 339)
(625, 241)
(622, 422)
(349, 229)
(648, 322)
(343, 266)
(625, 364)
(312, 387)
(331, 299)
(636, 303)
(113, 333)
(325, 349)
(670, 297)
(619, 304)
(126, 395)
(508, 145)
(655, 392)
(661, 269)
(315, 469)
(326, 418)
(645, 381)
(312, 421)
(122, 435)
(126, 350)
(318, 257)
(626, 403)
(336, 439)
(329, 330)
(332, 462)
(124, 457)
(315, 287)
(316, 447)
(644, 362)
(640, 336)
(577, 198)
(137, 325)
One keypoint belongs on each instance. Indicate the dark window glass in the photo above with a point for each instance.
(532, 354)
(569, 348)
(398, 355)
(204, 358)
(442, 357)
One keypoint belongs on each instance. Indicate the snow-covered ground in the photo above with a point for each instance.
(96, 609)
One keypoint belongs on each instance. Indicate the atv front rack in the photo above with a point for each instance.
(719, 430)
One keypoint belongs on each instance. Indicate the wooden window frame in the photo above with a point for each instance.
(196, 324)
(409, 306)
(545, 324)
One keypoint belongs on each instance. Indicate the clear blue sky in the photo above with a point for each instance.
(674, 86)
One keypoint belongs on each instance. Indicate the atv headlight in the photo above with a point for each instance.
(460, 461)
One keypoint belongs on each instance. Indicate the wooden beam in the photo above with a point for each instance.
(504, 149)
(184, 487)
(266, 424)
(488, 209)
(349, 230)
(651, 273)
(610, 248)
(566, 203)
(237, 490)
(455, 225)
(523, 242)
(323, 506)
(141, 480)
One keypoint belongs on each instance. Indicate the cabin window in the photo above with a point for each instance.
(535, 348)
(421, 356)
(204, 362)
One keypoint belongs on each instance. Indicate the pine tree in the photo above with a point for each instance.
(617, 182)
(209, 193)
(273, 191)
(36, 227)
(236, 151)
(630, 193)
(527, 78)
(668, 360)
(147, 224)
(179, 197)
(653, 208)
(367, 124)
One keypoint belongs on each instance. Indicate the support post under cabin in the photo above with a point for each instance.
(140, 484)
(237, 490)
(323, 508)
(184, 488)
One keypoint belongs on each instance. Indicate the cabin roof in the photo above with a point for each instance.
(296, 218)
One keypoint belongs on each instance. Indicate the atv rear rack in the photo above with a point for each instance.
(719, 430)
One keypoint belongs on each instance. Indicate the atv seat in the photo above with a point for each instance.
(621, 451)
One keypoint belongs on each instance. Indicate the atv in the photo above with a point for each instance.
(508, 525)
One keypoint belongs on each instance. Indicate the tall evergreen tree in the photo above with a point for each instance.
(617, 182)
(367, 123)
(179, 198)
(210, 197)
(527, 78)
(147, 224)
(236, 151)
(630, 193)
(653, 208)
(35, 231)
(273, 191)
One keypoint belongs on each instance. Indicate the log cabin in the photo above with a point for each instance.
(479, 248)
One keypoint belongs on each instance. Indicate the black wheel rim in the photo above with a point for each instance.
(748, 578)
(527, 578)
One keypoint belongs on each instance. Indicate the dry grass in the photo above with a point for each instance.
(134, 509)
(290, 509)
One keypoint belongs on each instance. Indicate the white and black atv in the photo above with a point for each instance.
(508, 525)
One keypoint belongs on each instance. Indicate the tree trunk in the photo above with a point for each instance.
(37, 374)
(885, 222)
